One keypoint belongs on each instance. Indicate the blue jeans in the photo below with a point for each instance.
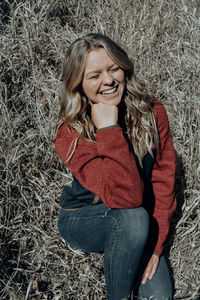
(120, 234)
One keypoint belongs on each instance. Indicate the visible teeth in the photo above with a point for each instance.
(110, 91)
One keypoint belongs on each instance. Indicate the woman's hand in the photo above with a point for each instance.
(104, 114)
(151, 268)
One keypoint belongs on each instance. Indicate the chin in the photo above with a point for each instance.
(116, 101)
(112, 101)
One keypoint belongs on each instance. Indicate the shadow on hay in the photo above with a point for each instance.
(180, 185)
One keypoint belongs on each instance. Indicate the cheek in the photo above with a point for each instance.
(120, 77)
(88, 88)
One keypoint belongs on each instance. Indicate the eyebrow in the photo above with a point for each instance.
(99, 71)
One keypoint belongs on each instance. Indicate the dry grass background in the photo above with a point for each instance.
(162, 37)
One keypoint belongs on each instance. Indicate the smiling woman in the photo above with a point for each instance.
(103, 80)
(116, 141)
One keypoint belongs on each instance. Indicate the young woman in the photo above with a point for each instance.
(116, 141)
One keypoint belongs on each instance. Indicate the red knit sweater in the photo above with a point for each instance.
(108, 169)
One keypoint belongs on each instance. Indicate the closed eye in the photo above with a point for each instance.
(114, 69)
(94, 76)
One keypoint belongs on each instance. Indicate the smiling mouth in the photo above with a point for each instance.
(111, 91)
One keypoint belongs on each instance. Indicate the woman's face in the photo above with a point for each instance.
(103, 81)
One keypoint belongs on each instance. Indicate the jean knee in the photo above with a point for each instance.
(135, 224)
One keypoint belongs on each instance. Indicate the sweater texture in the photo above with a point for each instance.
(108, 171)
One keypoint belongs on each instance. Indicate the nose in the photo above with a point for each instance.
(107, 78)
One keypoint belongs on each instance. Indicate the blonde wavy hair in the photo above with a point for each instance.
(135, 109)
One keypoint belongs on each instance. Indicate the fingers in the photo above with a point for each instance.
(153, 271)
(104, 115)
(150, 269)
(145, 277)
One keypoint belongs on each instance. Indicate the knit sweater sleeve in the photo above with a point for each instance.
(163, 176)
(107, 168)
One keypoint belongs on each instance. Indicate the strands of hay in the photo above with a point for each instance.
(162, 37)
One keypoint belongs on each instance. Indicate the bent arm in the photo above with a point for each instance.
(107, 168)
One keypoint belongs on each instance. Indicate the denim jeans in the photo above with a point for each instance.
(120, 234)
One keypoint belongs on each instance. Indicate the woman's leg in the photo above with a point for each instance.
(123, 250)
(120, 233)
(160, 287)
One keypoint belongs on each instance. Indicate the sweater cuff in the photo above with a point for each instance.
(111, 141)
(107, 127)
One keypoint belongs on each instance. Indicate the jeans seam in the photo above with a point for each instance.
(114, 240)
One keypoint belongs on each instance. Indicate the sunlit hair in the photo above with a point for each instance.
(139, 122)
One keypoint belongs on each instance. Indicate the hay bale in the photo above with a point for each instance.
(162, 37)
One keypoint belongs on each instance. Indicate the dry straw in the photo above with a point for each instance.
(162, 37)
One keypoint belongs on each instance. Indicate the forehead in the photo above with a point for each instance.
(97, 59)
